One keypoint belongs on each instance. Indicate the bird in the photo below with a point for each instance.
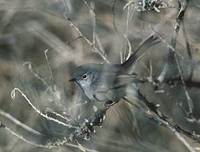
(107, 82)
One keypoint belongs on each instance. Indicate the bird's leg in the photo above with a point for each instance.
(88, 127)
(97, 120)
(109, 103)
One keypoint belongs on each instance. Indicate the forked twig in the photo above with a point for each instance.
(91, 44)
(50, 145)
(38, 111)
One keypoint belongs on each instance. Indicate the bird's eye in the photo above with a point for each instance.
(84, 76)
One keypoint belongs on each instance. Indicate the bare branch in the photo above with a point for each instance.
(26, 140)
(91, 44)
(49, 145)
(37, 110)
(57, 114)
(34, 73)
(18, 123)
(172, 56)
(156, 114)
(189, 51)
(49, 67)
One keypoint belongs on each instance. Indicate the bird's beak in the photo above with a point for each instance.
(72, 80)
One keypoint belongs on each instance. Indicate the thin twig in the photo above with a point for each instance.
(34, 73)
(93, 19)
(87, 40)
(163, 120)
(188, 49)
(100, 45)
(26, 140)
(49, 145)
(91, 44)
(57, 114)
(123, 55)
(18, 123)
(173, 56)
(183, 7)
(49, 67)
(37, 110)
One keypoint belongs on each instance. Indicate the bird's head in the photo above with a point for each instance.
(87, 75)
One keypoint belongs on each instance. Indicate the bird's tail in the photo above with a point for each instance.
(140, 50)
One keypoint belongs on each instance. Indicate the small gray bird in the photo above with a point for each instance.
(107, 82)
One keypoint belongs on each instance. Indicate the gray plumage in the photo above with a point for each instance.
(107, 82)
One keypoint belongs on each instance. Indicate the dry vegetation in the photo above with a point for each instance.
(42, 41)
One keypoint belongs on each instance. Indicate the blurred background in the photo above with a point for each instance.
(41, 41)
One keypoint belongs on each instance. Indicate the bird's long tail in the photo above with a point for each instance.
(140, 50)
